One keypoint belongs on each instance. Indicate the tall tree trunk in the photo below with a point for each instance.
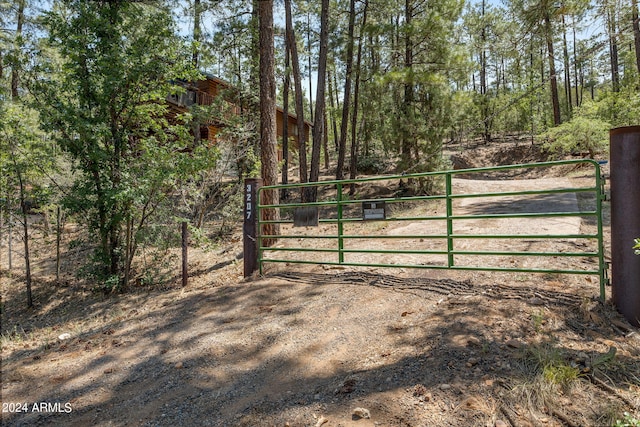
(483, 80)
(368, 101)
(325, 141)
(318, 123)
(575, 64)
(295, 63)
(15, 75)
(407, 102)
(285, 123)
(332, 103)
(531, 85)
(555, 101)
(248, 105)
(331, 77)
(268, 117)
(353, 163)
(310, 69)
(613, 49)
(636, 32)
(25, 230)
(197, 33)
(342, 146)
(567, 69)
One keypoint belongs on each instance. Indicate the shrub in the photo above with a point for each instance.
(628, 421)
(581, 134)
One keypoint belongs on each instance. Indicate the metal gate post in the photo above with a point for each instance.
(449, 190)
(340, 225)
(250, 226)
(625, 220)
(602, 265)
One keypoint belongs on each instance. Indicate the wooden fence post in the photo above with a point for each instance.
(185, 238)
(1, 232)
(58, 238)
(10, 239)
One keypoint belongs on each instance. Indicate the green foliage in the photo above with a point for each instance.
(406, 98)
(464, 120)
(560, 374)
(24, 150)
(552, 367)
(628, 421)
(231, 210)
(581, 134)
(538, 320)
(372, 164)
(105, 99)
(619, 108)
(636, 247)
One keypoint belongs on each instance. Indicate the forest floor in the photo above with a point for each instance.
(310, 345)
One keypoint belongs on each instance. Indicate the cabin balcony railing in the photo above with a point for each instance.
(191, 97)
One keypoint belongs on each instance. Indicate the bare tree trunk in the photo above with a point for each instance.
(285, 124)
(342, 146)
(332, 76)
(353, 163)
(575, 66)
(197, 33)
(567, 69)
(325, 141)
(185, 253)
(636, 31)
(407, 102)
(295, 63)
(486, 136)
(268, 117)
(613, 49)
(318, 123)
(310, 76)
(332, 103)
(129, 252)
(555, 101)
(25, 230)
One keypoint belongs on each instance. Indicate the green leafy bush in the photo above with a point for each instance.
(628, 421)
(581, 134)
(373, 164)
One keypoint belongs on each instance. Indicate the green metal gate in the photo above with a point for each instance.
(322, 237)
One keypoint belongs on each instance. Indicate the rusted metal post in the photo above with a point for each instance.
(1, 232)
(625, 220)
(185, 238)
(250, 227)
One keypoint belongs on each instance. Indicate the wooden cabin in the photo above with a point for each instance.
(212, 90)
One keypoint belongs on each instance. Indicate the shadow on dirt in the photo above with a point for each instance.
(274, 351)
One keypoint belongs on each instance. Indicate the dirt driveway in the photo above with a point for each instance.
(324, 346)
(420, 233)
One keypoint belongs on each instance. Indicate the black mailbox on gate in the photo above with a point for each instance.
(373, 210)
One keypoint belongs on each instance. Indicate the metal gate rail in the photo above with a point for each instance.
(341, 202)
